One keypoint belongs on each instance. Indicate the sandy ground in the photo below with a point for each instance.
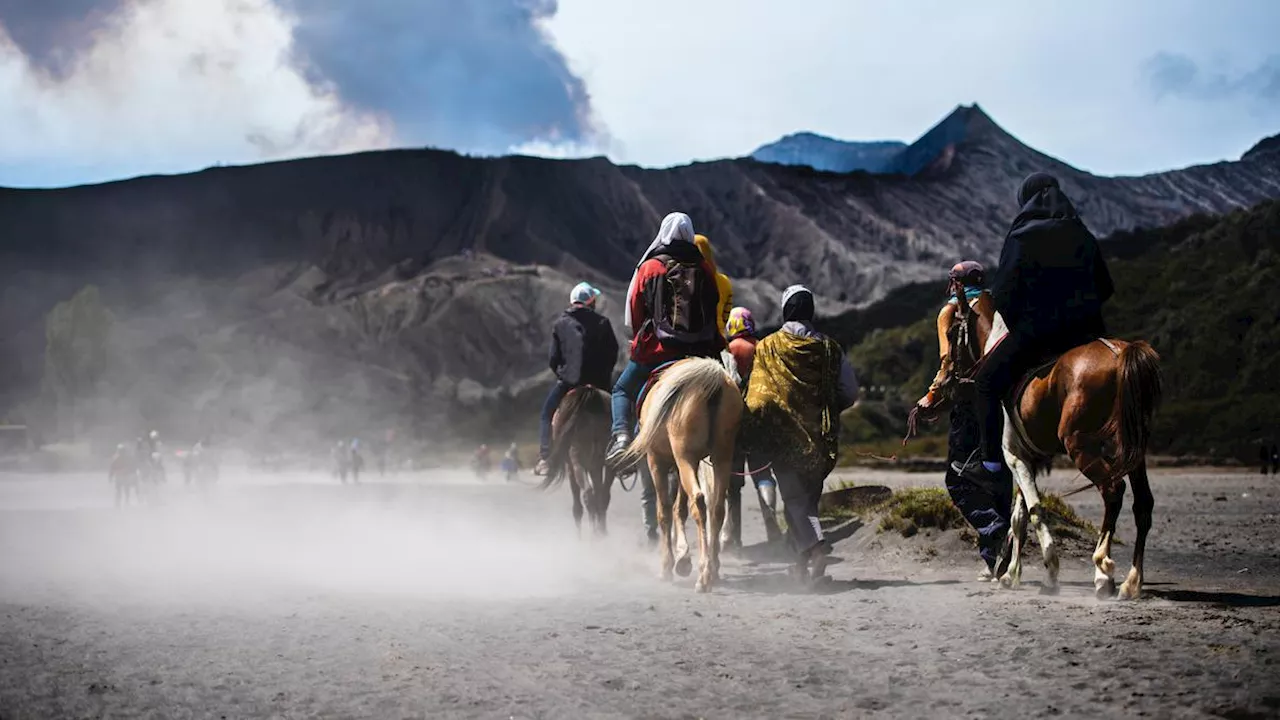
(441, 596)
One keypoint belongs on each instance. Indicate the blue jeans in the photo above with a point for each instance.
(625, 390)
(557, 393)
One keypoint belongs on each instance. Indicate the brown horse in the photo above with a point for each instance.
(1095, 404)
(580, 437)
(692, 412)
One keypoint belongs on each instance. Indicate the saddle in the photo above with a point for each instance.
(1041, 370)
(649, 383)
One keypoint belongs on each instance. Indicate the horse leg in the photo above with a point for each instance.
(679, 538)
(575, 487)
(604, 489)
(1031, 497)
(721, 467)
(1084, 452)
(1113, 501)
(696, 498)
(658, 472)
(1143, 503)
(733, 520)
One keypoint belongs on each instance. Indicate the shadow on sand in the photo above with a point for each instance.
(1225, 599)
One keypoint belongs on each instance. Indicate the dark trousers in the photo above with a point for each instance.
(986, 509)
(554, 396)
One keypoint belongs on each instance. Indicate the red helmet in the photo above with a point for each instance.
(969, 273)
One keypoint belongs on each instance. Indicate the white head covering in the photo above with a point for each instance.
(792, 291)
(675, 227)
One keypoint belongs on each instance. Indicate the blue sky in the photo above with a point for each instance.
(102, 89)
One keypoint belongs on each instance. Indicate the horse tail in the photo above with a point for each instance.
(1137, 396)
(581, 405)
(682, 389)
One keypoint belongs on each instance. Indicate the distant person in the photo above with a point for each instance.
(723, 286)
(800, 382)
(671, 313)
(511, 462)
(1275, 460)
(1264, 458)
(584, 351)
(482, 461)
(986, 507)
(1049, 289)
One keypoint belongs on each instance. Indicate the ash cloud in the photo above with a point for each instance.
(480, 75)
(175, 85)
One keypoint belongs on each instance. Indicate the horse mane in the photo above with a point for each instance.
(581, 403)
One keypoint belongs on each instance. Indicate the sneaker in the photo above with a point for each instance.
(616, 448)
(541, 468)
(974, 472)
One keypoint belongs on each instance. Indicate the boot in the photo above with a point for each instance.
(617, 447)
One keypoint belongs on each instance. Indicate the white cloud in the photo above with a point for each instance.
(180, 84)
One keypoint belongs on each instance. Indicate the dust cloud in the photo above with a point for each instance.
(439, 536)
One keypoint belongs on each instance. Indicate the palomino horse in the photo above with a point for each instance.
(1094, 403)
(692, 412)
(580, 438)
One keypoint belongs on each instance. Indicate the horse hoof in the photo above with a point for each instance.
(1008, 582)
(684, 566)
(1049, 589)
(1105, 590)
(702, 587)
(1129, 592)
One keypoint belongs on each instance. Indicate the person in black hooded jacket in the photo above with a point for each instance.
(1049, 288)
(584, 351)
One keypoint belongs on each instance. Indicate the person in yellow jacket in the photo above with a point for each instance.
(723, 286)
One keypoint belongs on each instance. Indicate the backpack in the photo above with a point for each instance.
(680, 314)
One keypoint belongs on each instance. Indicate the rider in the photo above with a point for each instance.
(740, 330)
(584, 351)
(671, 313)
(1049, 290)
(801, 382)
(723, 286)
(985, 507)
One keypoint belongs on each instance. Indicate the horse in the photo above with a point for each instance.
(579, 441)
(1094, 403)
(123, 473)
(692, 412)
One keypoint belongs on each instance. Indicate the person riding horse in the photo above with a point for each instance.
(584, 352)
(986, 507)
(723, 286)
(1049, 289)
(671, 312)
(800, 382)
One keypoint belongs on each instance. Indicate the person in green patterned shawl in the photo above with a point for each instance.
(800, 382)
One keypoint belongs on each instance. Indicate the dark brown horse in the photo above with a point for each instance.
(1095, 404)
(580, 438)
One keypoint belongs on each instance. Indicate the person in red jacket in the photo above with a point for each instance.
(671, 314)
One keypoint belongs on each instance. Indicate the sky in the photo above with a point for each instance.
(94, 90)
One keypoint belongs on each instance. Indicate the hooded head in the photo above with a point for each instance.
(797, 304)
(740, 323)
(676, 228)
(1034, 184)
(704, 247)
(584, 295)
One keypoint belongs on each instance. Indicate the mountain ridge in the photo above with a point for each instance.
(359, 227)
